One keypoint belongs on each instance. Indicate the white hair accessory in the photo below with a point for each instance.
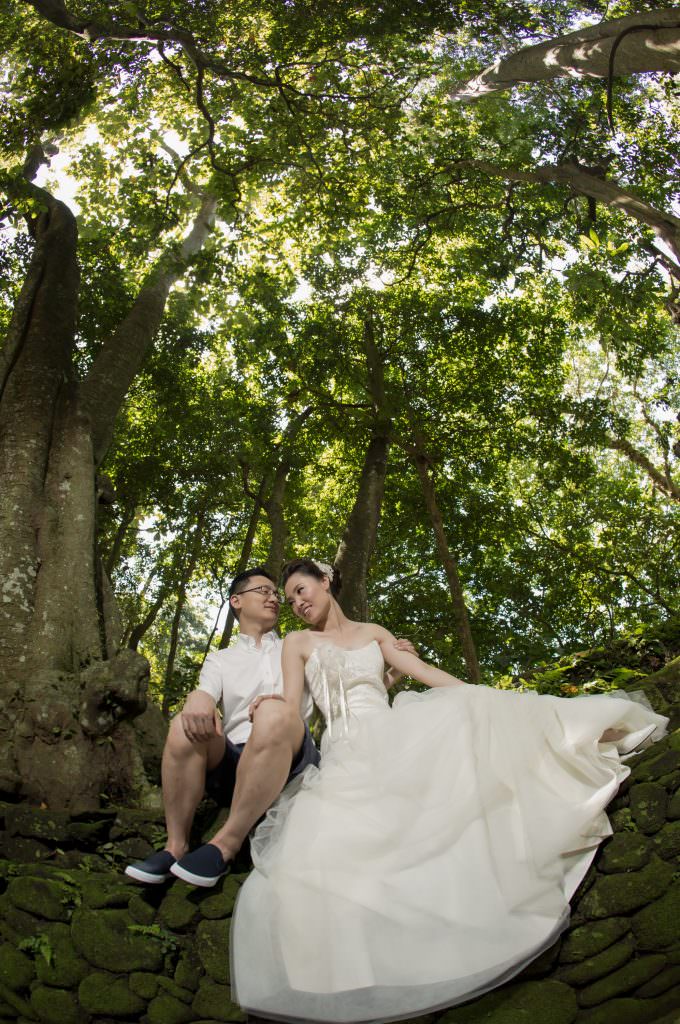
(325, 568)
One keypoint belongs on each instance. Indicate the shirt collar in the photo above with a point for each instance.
(249, 643)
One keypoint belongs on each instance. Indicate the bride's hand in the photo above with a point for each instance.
(392, 675)
(258, 700)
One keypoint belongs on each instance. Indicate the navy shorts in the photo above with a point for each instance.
(220, 782)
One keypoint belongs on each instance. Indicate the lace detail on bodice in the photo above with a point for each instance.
(346, 683)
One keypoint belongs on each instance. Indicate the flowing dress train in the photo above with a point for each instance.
(433, 853)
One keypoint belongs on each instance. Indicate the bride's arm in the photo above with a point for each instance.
(411, 665)
(293, 667)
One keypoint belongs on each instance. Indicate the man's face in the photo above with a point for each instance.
(257, 602)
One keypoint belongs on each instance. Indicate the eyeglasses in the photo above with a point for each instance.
(265, 591)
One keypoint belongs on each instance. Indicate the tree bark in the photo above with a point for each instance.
(358, 541)
(244, 557)
(649, 41)
(274, 503)
(450, 564)
(65, 682)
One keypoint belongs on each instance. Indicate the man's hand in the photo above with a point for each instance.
(258, 700)
(199, 717)
(391, 675)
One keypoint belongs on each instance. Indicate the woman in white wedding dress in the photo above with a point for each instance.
(433, 853)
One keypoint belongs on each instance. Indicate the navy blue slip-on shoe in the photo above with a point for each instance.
(204, 866)
(152, 871)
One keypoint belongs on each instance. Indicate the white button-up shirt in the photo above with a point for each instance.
(239, 674)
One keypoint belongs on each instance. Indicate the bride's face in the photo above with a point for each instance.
(308, 596)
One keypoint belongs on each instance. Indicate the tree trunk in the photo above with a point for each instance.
(244, 558)
(64, 680)
(185, 580)
(450, 563)
(275, 502)
(649, 41)
(138, 631)
(358, 541)
(661, 480)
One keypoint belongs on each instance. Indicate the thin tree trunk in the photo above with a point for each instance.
(274, 504)
(662, 481)
(450, 563)
(358, 541)
(113, 557)
(187, 575)
(138, 631)
(244, 557)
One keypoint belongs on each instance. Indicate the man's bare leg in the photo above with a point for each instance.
(183, 771)
(263, 768)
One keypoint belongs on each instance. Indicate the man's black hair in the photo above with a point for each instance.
(235, 587)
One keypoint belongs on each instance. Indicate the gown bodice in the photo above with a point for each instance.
(346, 684)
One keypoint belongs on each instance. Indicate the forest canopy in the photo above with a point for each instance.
(283, 278)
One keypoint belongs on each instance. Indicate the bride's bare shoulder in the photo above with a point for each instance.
(299, 641)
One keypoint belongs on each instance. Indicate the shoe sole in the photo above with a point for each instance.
(145, 876)
(192, 879)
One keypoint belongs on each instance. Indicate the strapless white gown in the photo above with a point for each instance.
(433, 854)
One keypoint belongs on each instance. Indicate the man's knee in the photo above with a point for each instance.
(274, 723)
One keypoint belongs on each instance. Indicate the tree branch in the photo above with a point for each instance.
(640, 43)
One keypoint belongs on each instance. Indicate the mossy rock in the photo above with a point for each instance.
(648, 802)
(16, 969)
(143, 984)
(214, 1002)
(103, 890)
(42, 897)
(56, 1006)
(634, 974)
(142, 910)
(176, 912)
(633, 1011)
(656, 926)
(107, 939)
(33, 823)
(612, 895)
(222, 903)
(61, 967)
(189, 970)
(673, 809)
(165, 1009)
(526, 1003)
(667, 841)
(658, 767)
(177, 991)
(19, 1006)
(15, 924)
(104, 993)
(668, 978)
(610, 959)
(212, 947)
(625, 851)
(589, 939)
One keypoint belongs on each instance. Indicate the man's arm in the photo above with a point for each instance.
(199, 716)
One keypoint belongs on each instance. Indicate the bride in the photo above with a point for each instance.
(434, 852)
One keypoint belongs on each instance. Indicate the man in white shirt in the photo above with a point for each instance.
(245, 759)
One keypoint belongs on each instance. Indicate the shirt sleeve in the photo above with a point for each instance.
(210, 678)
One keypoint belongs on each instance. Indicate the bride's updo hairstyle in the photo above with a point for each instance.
(310, 567)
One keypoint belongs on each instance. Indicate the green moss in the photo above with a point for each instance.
(16, 969)
(212, 947)
(165, 1009)
(648, 802)
(666, 979)
(625, 851)
(667, 841)
(633, 1011)
(141, 910)
(612, 895)
(143, 984)
(222, 903)
(590, 939)
(16, 1002)
(176, 912)
(214, 1001)
(188, 971)
(41, 897)
(55, 1006)
(656, 926)
(589, 970)
(15, 924)
(627, 978)
(106, 994)
(658, 767)
(101, 891)
(673, 810)
(549, 1002)
(64, 968)
(106, 939)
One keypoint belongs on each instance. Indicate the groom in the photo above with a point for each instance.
(243, 760)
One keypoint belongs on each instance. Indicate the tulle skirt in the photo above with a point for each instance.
(432, 855)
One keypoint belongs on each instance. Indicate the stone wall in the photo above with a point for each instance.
(80, 945)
